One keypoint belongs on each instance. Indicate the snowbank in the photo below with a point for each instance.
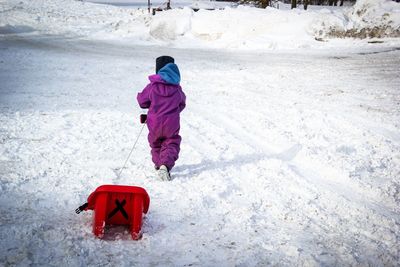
(241, 27)
(367, 19)
(70, 17)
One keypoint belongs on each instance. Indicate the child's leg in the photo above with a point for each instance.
(169, 152)
(155, 144)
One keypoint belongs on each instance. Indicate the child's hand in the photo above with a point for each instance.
(143, 118)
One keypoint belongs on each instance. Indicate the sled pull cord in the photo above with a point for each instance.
(130, 153)
(84, 206)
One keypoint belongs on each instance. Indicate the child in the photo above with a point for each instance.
(164, 98)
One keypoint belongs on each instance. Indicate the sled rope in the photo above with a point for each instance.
(130, 153)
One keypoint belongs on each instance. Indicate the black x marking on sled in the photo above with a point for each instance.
(120, 207)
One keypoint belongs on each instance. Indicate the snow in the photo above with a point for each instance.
(200, 4)
(239, 27)
(290, 152)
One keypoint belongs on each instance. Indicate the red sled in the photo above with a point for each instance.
(117, 205)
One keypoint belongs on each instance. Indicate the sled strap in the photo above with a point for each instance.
(120, 207)
(81, 208)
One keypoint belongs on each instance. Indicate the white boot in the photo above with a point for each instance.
(163, 173)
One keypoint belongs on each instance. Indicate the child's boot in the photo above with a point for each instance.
(163, 173)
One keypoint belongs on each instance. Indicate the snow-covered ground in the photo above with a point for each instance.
(289, 156)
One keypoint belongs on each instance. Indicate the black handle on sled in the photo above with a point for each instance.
(81, 208)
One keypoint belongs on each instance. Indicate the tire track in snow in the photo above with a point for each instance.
(336, 184)
(328, 184)
(348, 200)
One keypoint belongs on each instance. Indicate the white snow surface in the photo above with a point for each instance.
(290, 153)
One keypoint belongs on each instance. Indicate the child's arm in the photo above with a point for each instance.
(143, 98)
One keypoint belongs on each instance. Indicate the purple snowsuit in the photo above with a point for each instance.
(164, 98)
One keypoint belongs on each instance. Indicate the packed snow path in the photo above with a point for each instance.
(287, 158)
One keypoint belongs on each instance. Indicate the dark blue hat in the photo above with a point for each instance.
(162, 61)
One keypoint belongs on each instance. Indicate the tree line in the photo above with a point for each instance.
(295, 3)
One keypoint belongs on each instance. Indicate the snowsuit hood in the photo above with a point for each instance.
(170, 73)
(166, 81)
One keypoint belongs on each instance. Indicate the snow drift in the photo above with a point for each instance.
(367, 19)
(241, 27)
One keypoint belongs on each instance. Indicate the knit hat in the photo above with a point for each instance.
(162, 61)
